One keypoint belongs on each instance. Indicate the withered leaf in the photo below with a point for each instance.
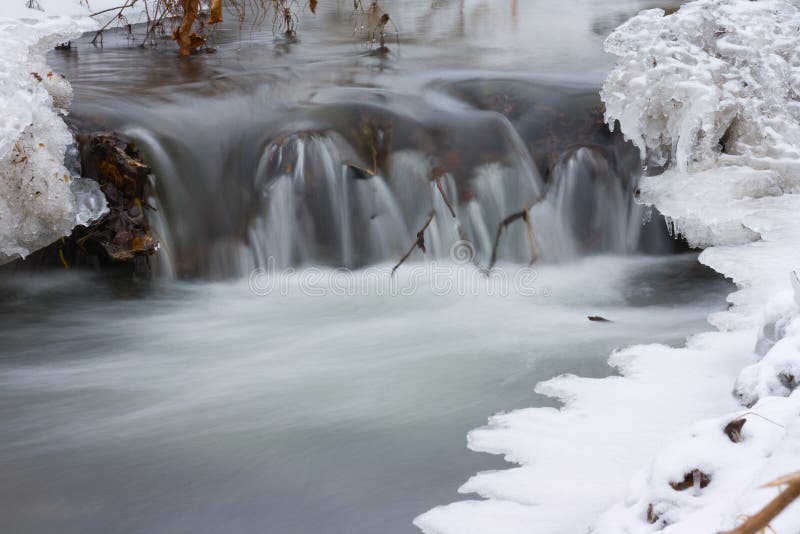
(215, 13)
(734, 430)
(689, 480)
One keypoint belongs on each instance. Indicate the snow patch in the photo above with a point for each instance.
(37, 192)
(713, 92)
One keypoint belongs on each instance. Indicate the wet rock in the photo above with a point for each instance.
(122, 236)
(550, 119)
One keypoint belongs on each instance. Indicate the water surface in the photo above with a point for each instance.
(190, 403)
(207, 408)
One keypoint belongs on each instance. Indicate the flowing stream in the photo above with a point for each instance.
(272, 376)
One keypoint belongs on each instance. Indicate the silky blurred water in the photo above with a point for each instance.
(207, 408)
(191, 406)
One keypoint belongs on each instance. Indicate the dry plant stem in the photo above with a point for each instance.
(760, 521)
(444, 197)
(123, 7)
(418, 243)
(505, 223)
(183, 33)
(118, 8)
(531, 244)
(153, 22)
(215, 12)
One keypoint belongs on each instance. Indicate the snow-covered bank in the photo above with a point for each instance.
(40, 201)
(712, 93)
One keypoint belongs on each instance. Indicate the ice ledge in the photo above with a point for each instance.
(39, 199)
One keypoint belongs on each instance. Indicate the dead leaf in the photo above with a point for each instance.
(734, 430)
(689, 480)
(215, 13)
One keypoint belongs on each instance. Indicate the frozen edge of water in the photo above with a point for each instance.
(576, 462)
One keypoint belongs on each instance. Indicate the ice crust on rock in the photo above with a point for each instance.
(716, 82)
(37, 193)
(711, 96)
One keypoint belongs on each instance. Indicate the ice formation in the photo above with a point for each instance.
(711, 96)
(715, 83)
(39, 199)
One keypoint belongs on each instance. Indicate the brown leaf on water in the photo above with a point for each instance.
(312, 6)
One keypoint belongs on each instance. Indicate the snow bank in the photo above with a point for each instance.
(39, 199)
(710, 93)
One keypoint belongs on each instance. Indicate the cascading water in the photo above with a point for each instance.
(317, 207)
(314, 200)
(349, 185)
(205, 404)
(591, 207)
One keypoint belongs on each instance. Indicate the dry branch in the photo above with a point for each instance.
(418, 243)
(187, 41)
(117, 17)
(505, 223)
(760, 521)
(215, 12)
(444, 196)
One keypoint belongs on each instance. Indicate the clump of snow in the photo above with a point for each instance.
(577, 461)
(717, 81)
(37, 193)
(106, 10)
(710, 95)
(713, 92)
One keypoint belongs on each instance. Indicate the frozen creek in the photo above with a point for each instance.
(186, 406)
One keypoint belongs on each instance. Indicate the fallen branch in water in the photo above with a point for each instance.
(760, 521)
(418, 243)
(505, 223)
(438, 173)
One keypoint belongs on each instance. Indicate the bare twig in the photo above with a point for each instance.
(768, 420)
(118, 8)
(760, 521)
(118, 16)
(505, 223)
(444, 195)
(418, 243)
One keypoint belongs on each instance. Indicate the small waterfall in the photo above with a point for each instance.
(318, 206)
(309, 197)
(590, 208)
